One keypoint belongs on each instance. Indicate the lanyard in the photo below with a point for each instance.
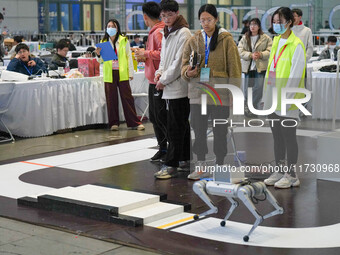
(275, 62)
(30, 72)
(207, 50)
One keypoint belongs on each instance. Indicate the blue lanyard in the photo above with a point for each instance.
(30, 72)
(207, 50)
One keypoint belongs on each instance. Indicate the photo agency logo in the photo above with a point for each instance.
(238, 105)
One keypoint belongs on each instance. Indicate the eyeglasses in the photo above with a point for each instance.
(169, 16)
(206, 21)
(22, 52)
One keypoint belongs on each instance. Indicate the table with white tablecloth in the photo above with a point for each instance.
(323, 87)
(314, 67)
(41, 107)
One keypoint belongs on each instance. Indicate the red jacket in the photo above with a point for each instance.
(153, 51)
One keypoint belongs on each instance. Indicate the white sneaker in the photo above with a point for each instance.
(273, 178)
(114, 128)
(140, 127)
(200, 171)
(166, 172)
(287, 181)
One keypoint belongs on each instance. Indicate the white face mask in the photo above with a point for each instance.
(331, 47)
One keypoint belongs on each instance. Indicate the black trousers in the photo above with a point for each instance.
(199, 124)
(285, 141)
(158, 115)
(178, 131)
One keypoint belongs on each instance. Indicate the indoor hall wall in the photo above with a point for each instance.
(20, 15)
(321, 10)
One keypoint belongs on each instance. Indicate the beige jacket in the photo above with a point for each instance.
(224, 63)
(263, 45)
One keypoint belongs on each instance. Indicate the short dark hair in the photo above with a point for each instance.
(169, 6)
(152, 10)
(21, 46)
(1, 16)
(286, 13)
(298, 12)
(90, 49)
(332, 39)
(246, 21)
(18, 38)
(62, 44)
(136, 36)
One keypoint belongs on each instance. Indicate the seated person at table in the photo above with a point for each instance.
(24, 63)
(17, 39)
(90, 52)
(59, 59)
(331, 50)
(136, 41)
(71, 46)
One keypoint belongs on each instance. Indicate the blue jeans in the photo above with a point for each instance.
(255, 80)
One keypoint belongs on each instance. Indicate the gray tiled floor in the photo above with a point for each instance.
(26, 239)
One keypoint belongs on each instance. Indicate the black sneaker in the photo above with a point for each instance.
(184, 166)
(158, 156)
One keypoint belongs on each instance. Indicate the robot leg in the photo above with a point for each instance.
(245, 193)
(260, 188)
(234, 204)
(200, 189)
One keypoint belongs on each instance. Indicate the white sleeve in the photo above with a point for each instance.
(309, 46)
(296, 70)
(129, 57)
(161, 64)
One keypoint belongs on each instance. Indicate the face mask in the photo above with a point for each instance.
(331, 47)
(279, 28)
(112, 31)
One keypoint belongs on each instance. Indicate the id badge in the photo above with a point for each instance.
(271, 78)
(115, 65)
(205, 74)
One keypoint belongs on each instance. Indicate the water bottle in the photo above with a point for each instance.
(67, 67)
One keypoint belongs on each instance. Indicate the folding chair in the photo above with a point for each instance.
(6, 90)
(146, 101)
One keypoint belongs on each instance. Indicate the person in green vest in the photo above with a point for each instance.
(286, 69)
(116, 75)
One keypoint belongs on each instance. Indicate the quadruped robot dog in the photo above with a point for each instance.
(247, 192)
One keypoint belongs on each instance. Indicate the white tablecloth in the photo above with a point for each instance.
(323, 87)
(42, 107)
(314, 67)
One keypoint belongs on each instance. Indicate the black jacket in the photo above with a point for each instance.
(58, 61)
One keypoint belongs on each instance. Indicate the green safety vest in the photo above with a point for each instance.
(123, 63)
(283, 67)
